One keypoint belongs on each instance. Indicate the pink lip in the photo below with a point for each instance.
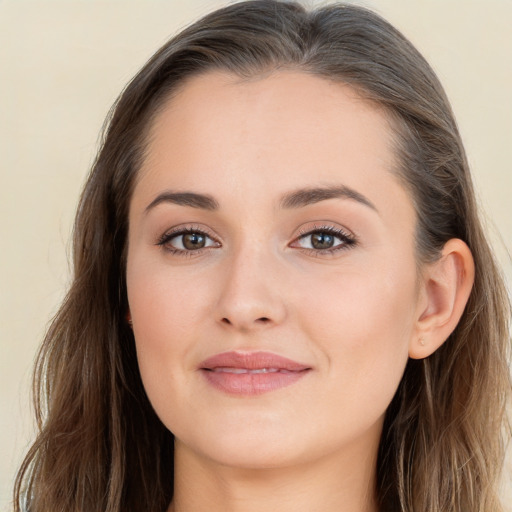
(251, 373)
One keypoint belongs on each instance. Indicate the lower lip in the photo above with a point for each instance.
(251, 383)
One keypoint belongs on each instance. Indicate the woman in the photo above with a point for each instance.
(283, 297)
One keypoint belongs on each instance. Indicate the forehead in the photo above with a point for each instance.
(283, 105)
(284, 130)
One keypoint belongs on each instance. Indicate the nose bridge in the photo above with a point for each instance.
(251, 295)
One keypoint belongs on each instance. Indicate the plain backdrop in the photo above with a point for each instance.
(62, 64)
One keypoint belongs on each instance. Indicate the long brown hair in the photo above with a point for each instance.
(100, 444)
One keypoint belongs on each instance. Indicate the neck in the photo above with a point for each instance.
(336, 483)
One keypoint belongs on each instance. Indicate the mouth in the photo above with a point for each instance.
(251, 373)
(247, 370)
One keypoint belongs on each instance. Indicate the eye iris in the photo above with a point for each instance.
(322, 240)
(193, 241)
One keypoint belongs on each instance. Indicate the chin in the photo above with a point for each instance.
(248, 448)
(255, 457)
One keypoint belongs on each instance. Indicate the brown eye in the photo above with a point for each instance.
(193, 241)
(322, 240)
(187, 241)
(325, 240)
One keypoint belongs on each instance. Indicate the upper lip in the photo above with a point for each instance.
(252, 361)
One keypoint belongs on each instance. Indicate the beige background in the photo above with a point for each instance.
(62, 64)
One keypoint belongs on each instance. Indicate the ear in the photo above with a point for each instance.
(446, 285)
(128, 318)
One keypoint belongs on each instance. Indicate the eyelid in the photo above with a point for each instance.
(183, 229)
(332, 227)
(347, 237)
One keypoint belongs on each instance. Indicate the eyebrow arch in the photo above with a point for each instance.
(192, 199)
(296, 199)
(306, 196)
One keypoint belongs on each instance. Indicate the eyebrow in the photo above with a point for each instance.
(295, 199)
(306, 196)
(192, 199)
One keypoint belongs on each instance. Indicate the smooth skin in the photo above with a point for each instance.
(225, 255)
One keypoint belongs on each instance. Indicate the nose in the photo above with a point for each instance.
(252, 293)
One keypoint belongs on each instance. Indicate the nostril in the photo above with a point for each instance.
(261, 320)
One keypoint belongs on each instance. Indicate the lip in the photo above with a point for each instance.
(251, 373)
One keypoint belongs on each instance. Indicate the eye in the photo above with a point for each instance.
(325, 239)
(186, 240)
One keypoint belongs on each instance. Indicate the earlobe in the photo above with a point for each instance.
(447, 284)
(128, 319)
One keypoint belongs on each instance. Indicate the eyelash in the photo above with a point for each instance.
(347, 240)
(164, 240)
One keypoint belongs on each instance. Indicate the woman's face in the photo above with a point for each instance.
(271, 273)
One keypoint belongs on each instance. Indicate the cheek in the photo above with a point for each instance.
(363, 305)
(363, 322)
(165, 305)
(165, 310)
